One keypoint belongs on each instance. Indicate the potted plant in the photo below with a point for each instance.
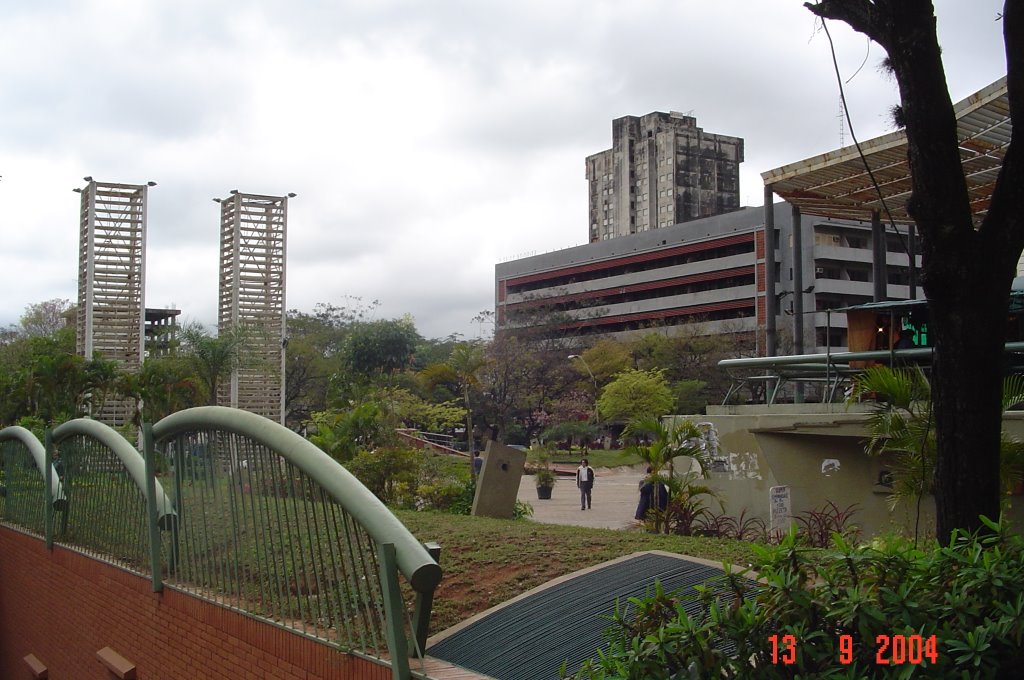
(543, 475)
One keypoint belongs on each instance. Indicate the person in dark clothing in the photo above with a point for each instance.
(58, 465)
(906, 340)
(585, 483)
(653, 493)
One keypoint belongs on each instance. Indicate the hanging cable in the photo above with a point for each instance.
(853, 135)
(906, 249)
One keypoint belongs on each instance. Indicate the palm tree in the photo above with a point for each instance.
(102, 378)
(55, 385)
(901, 425)
(162, 386)
(466, 360)
(213, 358)
(664, 442)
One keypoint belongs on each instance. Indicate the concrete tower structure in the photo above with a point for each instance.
(661, 170)
(111, 279)
(253, 230)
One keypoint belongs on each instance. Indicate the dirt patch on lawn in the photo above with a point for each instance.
(493, 581)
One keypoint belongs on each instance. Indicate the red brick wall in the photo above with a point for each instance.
(64, 607)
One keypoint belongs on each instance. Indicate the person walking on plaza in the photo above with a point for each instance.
(585, 482)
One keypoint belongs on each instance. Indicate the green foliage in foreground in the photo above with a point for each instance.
(844, 609)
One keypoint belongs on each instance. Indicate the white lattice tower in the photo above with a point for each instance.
(252, 298)
(111, 279)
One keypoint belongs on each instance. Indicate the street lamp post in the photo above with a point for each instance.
(597, 415)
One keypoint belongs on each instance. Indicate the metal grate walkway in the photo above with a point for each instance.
(529, 637)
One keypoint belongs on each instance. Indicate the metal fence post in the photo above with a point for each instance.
(395, 625)
(47, 490)
(424, 605)
(151, 513)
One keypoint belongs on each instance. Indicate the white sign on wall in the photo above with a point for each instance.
(780, 508)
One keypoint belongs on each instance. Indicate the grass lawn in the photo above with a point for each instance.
(458, 466)
(598, 458)
(488, 561)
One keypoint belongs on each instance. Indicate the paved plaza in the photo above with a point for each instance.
(615, 497)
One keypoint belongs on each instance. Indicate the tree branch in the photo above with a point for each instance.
(859, 14)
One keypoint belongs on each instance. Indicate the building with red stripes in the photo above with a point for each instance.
(709, 272)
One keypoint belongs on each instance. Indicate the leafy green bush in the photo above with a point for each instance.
(34, 424)
(885, 610)
(441, 494)
(522, 510)
(687, 505)
(441, 484)
(390, 472)
(463, 504)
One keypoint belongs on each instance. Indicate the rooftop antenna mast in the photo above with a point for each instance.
(841, 115)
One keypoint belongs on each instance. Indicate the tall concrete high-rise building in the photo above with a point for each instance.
(661, 170)
(111, 280)
(253, 230)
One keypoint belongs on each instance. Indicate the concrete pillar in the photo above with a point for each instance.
(771, 303)
(798, 296)
(912, 253)
(879, 277)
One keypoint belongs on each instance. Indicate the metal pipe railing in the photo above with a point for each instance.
(130, 458)
(840, 357)
(413, 560)
(16, 433)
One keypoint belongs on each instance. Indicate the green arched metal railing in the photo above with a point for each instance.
(271, 524)
(115, 508)
(253, 517)
(24, 480)
(129, 458)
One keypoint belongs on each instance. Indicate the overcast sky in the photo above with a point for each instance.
(427, 140)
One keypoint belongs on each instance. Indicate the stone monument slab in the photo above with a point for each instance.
(497, 486)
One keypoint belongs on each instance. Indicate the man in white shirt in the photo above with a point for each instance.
(585, 482)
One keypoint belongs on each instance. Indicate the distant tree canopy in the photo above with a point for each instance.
(42, 378)
(45, 318)
(351, 380)
(381, 348)
(636, 394)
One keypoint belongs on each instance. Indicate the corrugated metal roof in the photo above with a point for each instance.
(1016, 302)
(529, 638)
(835, 184)
(885, 306)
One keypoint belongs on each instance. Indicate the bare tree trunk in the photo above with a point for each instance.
(966, 393)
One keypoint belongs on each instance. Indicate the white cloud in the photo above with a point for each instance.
(426, 141)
